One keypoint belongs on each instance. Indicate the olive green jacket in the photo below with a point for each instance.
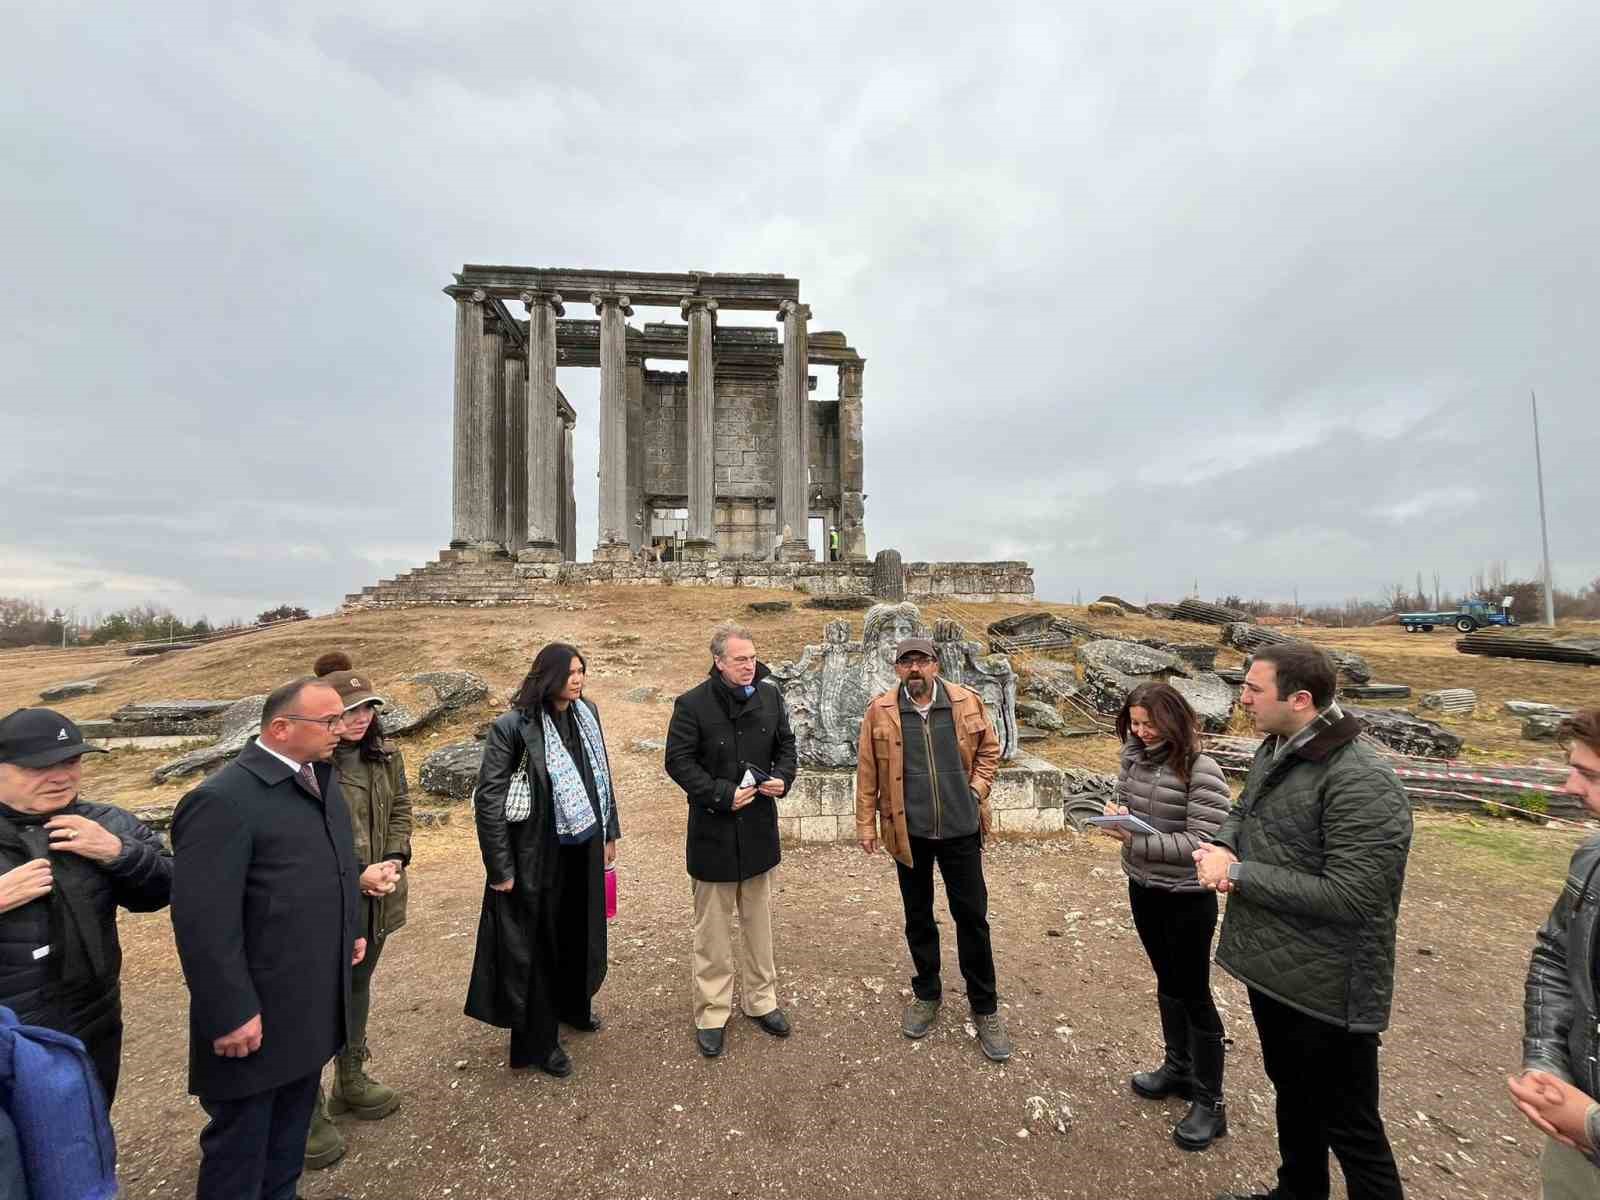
(380, 816)
(1321, 834)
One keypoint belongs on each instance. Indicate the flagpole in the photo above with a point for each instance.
(1544, 529)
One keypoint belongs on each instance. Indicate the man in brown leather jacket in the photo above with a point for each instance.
(925, 764)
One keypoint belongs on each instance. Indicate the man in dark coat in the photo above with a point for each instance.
(1313, 858)
(266, 911)
(731, 750)
(65, 868)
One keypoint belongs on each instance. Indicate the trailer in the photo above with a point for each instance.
(1469, 616)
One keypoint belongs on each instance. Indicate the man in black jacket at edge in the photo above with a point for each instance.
(265, 907)
(1559, 1088)
(66, 865)
(731, 750)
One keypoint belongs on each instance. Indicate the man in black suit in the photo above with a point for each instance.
(264, 905)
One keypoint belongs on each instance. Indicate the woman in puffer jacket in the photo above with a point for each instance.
(1167, 782)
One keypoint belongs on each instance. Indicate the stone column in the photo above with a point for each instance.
(516, 443)
(467, 516)
(613, 545)
(636, 521)
(794, 429)
(540, 466)
(569, 497)
(852, 500)
(492, 377)
(700, 538)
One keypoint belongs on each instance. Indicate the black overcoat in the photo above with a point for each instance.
(266, 908)
(524, 851)
(711, 736)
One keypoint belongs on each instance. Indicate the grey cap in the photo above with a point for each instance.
(915, 645)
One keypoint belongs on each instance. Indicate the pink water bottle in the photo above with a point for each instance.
(611, 893)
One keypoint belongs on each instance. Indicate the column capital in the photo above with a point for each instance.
(553, 299)
(793, 308)
(475, 295)
(601, 299)
(705, 303)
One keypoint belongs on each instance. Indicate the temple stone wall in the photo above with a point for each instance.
(745, 441)
(474, 577)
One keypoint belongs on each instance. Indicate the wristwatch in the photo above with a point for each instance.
(1234, 869)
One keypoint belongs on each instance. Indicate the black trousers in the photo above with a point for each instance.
(961, 864)
(105, 1052)
(1176, 929)
(254, 1148)
(558, 985)
(1327, 1084)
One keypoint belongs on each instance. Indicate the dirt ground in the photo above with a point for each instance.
(847, 1106)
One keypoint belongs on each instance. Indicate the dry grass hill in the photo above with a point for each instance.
(847, 1107)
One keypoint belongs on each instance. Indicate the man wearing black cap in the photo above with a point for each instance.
(926, 762)
(65, 867)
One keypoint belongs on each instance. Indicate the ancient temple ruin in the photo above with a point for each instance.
(730, 473)
(730, 459)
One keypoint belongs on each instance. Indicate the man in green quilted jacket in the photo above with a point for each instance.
(1312, 859)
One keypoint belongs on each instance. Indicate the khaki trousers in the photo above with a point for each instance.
(1566, 1174)
(714, 953)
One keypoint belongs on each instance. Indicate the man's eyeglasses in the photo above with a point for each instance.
(331, 724)
(913, 660)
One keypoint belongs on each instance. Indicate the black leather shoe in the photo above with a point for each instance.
(590, 1023)
(774, 1023)
(709, 1041)
(557, 1063)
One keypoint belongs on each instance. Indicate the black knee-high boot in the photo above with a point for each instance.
(1172, 1077)
(1207, 1119)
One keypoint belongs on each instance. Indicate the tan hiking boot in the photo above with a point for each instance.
(919, 1018)
(324, 1144)
(992, 1036)
(355, 1093)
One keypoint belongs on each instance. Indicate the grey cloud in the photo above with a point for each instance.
(1098, 260)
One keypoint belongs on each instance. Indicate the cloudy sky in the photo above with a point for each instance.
(1245, 293)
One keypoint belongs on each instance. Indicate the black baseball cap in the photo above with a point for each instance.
(41, 737)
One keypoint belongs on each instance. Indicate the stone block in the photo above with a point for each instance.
(789, 828)
(821, 829)
(1029, 820)
(801, 801)
(66, 691)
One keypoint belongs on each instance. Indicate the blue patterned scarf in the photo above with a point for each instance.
(575, 821)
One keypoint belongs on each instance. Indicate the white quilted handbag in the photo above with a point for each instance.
(519, 795)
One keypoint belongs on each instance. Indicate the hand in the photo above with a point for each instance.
(24, 884)
(381, 878)
(1554, 1106)
(869, 844)
(743, 796)
(771, 787)
(81, 836)
(504, 885)
(1113, 809)
(611, 854)
(359, 952)
(242, 1042)
(1211, 865)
